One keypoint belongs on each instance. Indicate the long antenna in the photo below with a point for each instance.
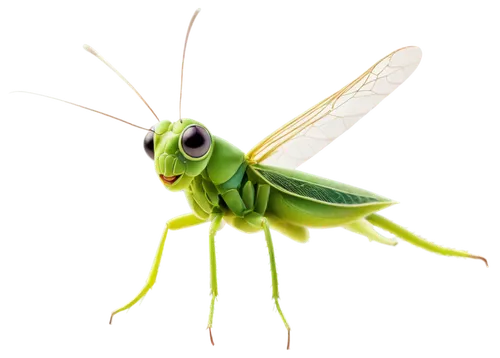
(99, 57)
(80, 106)
(191, 24)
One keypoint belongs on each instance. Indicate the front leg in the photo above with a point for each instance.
(179, 222)
(213, 269)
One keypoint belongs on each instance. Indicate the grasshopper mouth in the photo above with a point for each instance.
(169, 180)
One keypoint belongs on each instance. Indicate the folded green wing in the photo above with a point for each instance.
(314, 188)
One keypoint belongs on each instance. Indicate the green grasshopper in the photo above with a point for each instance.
(261, 190)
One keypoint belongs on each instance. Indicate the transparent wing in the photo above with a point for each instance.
(305, 135)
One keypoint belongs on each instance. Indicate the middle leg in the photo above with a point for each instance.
(274, 275)
(249, 209)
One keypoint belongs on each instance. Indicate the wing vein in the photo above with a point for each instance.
(305, 135)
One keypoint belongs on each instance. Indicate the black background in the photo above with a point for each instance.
(86, 207)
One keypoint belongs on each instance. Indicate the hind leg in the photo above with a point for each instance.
(402, 233)
(363, 227)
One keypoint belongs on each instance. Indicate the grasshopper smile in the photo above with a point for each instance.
(169, 180)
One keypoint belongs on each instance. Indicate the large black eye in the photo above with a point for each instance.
(195, 141)
(149, 145)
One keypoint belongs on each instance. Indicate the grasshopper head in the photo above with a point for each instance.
(180, 150)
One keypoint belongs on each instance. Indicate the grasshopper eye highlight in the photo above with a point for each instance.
(195, 141)
(149, 145)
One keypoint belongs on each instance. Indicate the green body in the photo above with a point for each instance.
(291, 200)
(223, 185)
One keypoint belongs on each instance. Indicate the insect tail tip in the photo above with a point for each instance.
(288, 343)
(111, 318)
(211, 338)
(480, 258)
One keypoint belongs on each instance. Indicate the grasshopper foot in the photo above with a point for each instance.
(280, 312)
(110, 320)
(211, 337)
(483, 260)
(289, 340)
